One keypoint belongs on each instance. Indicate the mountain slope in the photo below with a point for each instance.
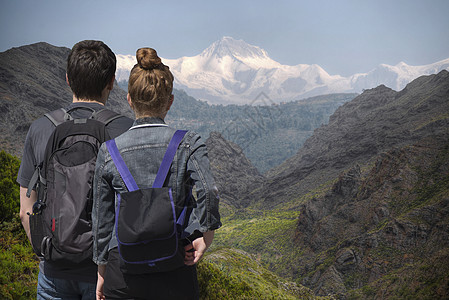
(233, 72)
(373, 122)
(376, 230)
(233, 172)
(32, 82)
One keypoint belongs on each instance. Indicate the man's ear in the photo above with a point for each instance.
(111, 84)
(67, 79)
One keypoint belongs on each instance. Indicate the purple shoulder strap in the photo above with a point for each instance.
(168, 158)
(123, 170)
(163, 169)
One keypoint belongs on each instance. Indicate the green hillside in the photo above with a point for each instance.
(267, 234)
(229, 273)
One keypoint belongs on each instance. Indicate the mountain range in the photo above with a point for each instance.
(360, 210)
(32, 82)
(233, 72)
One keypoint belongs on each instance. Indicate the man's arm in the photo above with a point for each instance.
(26, 206)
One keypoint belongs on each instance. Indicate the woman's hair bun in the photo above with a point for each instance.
(147, 59)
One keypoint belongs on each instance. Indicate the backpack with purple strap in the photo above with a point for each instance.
(148, 230)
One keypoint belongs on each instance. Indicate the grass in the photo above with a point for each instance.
(234, 274)
(18, 264)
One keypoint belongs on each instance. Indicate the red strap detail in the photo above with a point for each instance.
(53, 225)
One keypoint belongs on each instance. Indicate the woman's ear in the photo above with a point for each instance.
(128, 97)
(170, 102)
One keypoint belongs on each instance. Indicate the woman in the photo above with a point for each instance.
(142, 149)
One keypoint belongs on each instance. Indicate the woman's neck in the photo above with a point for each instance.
(148, 115)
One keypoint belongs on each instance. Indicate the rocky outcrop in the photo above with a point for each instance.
(234, 174)
(374, 224)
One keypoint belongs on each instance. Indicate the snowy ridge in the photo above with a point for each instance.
(124, 65)
(233, 72)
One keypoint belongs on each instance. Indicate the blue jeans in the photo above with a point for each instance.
(57, 288)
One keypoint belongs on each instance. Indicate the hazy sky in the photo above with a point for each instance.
(343, 37)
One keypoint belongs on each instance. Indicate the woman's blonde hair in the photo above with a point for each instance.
(150, 84)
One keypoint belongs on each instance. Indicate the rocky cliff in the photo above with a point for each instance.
(372, 190)
(234, 174)
(33, 82)
(384, 229)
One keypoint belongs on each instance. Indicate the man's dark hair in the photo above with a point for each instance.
(90, 67)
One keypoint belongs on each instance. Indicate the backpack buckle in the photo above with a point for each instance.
(38, 206)
(67, 117)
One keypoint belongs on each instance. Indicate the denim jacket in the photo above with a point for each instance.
(142, 148)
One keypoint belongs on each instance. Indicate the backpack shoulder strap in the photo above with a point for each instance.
(121, 166)
(168, 158)
(163, 169)
(105, 116)
(57, 116)
(33, 181)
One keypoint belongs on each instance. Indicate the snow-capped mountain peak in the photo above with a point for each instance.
(239, 50)
(225, 57)
(228, 46)
(232, 71)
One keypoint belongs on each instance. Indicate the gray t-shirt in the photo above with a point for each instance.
(33, 154)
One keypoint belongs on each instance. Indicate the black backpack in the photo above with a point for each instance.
(148, 226)
(60, 223)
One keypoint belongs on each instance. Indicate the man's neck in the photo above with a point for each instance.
(76, 100)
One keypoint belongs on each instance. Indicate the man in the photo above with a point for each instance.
(90, 74)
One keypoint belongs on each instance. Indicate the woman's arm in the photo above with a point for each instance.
(103, 210)
(206, 210)
(207, 201)
(100, 282)
(196, 250)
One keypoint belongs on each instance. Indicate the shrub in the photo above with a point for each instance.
(18, 264)
(9, 188)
